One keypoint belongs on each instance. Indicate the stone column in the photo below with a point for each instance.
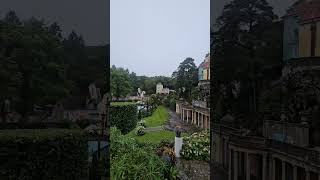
(295, 173)
(193, 113)
(202, 121)
(183, 115)
(235, 165)
(187, 115)
(264, 167)
(225, 151)
(247, 166)
(230, 164)
(273, 169)
(307, 174)
(270, 168)
(283, 170)
(199, 114)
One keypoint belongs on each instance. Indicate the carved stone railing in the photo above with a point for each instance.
(202, 104)
(301, 64)
(306, 154)
(254, 142)
(248, 141)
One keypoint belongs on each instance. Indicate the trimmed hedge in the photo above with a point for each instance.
(123, 116)
(30, 154)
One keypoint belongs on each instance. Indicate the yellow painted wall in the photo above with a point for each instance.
(317, 53)
(205, 72)
(304, 40)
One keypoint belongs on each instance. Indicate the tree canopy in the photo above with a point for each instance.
(246, 53)
(186, 78)
(40, 67)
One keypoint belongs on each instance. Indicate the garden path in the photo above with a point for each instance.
(154, 129)
(174, 120)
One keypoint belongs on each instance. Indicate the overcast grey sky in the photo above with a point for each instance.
(152, 37)
(90, 18)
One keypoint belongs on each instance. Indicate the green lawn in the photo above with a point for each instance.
(158, 118)
(155, 137)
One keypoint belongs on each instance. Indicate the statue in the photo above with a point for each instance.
(177, 141)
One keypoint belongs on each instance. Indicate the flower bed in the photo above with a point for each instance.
(196, 146)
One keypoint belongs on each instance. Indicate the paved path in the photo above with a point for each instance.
(154, 129)
(174, 120)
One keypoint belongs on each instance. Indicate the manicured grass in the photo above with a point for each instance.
(122, 103)
(155, 137)
(158, 118)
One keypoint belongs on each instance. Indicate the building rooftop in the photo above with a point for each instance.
(306, 11)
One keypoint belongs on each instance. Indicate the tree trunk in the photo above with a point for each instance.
(25, 96)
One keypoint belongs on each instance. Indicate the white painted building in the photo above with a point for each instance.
(159, 88)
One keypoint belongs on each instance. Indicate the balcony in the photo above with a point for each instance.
(301, 64)
(201, 104)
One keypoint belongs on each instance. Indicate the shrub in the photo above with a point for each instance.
(140, 131)
(142, 123)
(43, 154)
(196, 146)
(83, 123)
(131, 161)
(123, 116)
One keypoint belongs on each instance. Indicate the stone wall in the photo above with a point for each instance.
(194, 170)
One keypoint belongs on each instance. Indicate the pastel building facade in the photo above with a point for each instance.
(198, 113)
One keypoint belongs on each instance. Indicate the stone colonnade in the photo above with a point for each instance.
(195, 117)
(253, 165)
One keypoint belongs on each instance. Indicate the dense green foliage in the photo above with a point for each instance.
(186, 78)
(40, 67)
(123, 116)
(130, 161)
(170, 101)
(120, 82)
(124, 83)
(43, 154)
(155, 137)
(139, 131)
(247, 57)
(196, 147)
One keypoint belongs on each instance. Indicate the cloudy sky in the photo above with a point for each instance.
(149, 37)
(90, 18)
(152, 37)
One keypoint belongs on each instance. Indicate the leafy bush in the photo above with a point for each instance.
(144, 113)
(123, 116)
(83, 123)
(139, 131)
(43, 154)
(142, 123)
(196, 146)
(131, 161)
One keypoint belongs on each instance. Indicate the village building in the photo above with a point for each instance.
(287, 149)
(198, 113)
(162, 90)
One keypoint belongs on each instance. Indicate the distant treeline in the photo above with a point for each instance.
(38, 66)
